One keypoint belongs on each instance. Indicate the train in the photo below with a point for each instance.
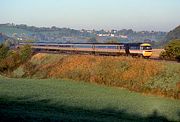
(110, 49)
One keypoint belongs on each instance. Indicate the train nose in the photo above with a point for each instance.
(147, 53)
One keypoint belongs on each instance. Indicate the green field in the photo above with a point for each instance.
(55, 100)
(145, 76)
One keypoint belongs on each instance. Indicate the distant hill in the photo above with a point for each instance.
(67, 35)
(3, 37)
(174, 34)
(25, 32)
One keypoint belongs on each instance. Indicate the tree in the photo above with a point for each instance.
(3, 51)
(25, 52)
(92, 40)
(11, 59)
(174, 34)
(172, 50)
(113, 40)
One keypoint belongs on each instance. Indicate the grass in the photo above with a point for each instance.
(145, 76)
(168, 78)
(56, 100)
(156, 53)
(95, 69)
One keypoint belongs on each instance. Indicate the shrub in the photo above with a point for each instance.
(178, 86)
(113, 40)
(110, 71)
(10, 60)
(25, 52)
(172, 50)
(3, 51)
(29, 69)
(178, 89)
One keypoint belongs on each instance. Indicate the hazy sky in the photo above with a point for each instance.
(161, 15)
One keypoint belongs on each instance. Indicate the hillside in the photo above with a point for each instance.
(67, 35)
(174, 34)
(25, 32)
(3, 38)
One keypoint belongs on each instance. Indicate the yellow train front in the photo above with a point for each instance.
(140, 49)
(147, 50)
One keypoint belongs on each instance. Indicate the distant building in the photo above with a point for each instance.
(123, 36)
(112, 35)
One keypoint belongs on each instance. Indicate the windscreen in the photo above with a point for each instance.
(146, 48)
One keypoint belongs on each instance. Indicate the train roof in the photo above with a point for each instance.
(56, 43)
(145, 44)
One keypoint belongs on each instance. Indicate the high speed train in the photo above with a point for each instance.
(133, 49)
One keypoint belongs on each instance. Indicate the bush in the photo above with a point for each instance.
(113, 40)
(10, 60)
(110, 71)
(29, 69)
(25, 52)
(3, 51)
(172, 51)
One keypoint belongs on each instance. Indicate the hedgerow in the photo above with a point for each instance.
(11, 59)
(172, 50)
(146, 76)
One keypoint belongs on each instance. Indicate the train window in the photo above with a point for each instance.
(112, 47)
(106, 47)
(146, 48)
(83, 46)
(134, 47)
(61, 45)
(121, 47)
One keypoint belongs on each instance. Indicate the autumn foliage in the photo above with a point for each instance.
(112, 71)
(135, 74)
(11, 59)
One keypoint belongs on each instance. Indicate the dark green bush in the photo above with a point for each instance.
(25, 52)
(172, 50)
(3, 51)
(10, 59)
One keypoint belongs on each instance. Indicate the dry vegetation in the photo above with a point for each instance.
(146, 76)
(156, 53)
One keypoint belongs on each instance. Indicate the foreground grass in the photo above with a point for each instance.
(140, 75)
(55, 100)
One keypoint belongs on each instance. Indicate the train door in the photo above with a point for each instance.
(127, 49)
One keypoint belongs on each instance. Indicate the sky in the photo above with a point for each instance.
(157, 15)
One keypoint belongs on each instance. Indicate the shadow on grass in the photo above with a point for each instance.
(30, 109)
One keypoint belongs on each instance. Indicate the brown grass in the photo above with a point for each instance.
(39, 56)
(126, 72)
(156, 53)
